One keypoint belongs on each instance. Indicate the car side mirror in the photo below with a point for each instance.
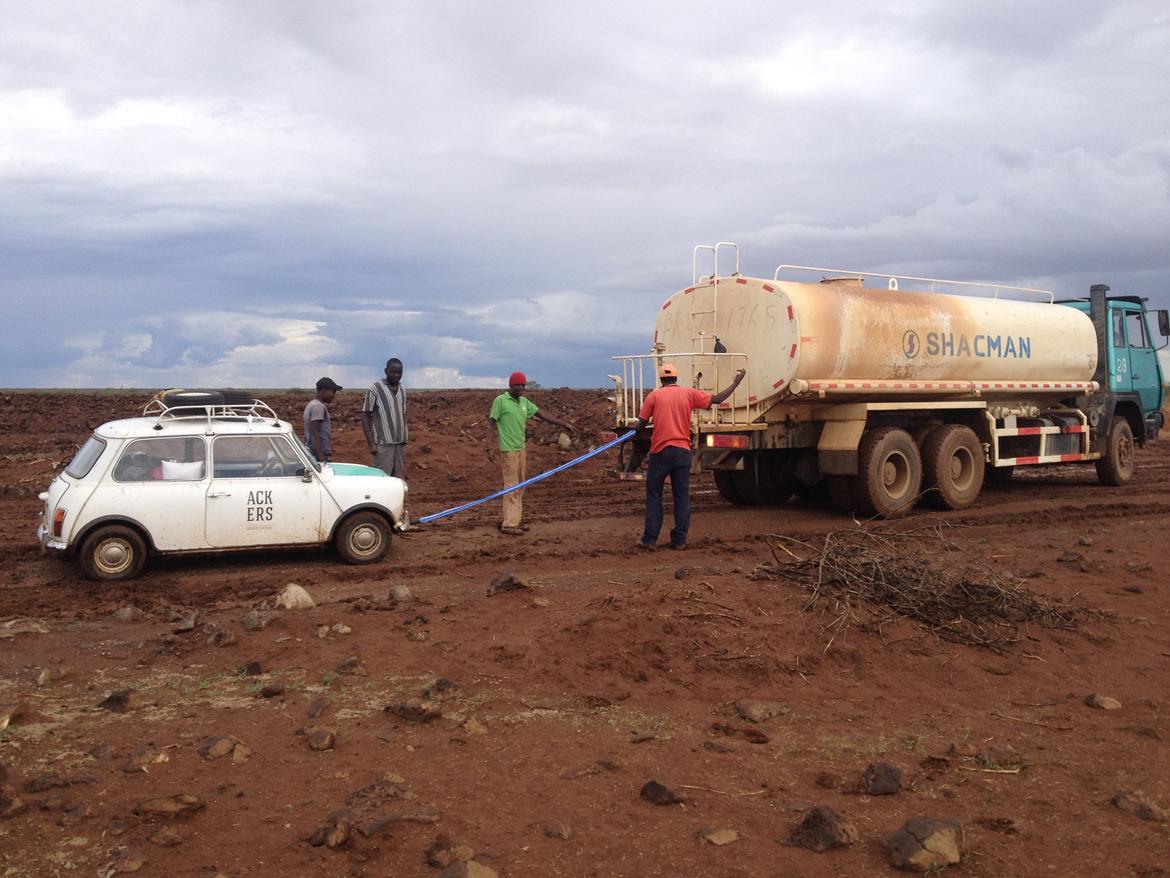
(1164, 323)
(305, 473)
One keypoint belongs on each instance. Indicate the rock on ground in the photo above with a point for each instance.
(444, 851)
(758, 711)
(468, 869)
(1102, 702)
(400, 594)
(293, 597)
(718, 837)
(169, 806)
(1140, 805)
(657, 794)
(121, 701)
(823, 828)
(882, 779)
(508, 582)
(925, 843)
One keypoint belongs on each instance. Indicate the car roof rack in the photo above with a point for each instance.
(256, 410)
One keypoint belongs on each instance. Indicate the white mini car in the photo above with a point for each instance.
(211, 471)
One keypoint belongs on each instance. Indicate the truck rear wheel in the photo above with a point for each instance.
(952, 467)
(112, 553)
(1116, 467)
(889, 472)
(725, 483)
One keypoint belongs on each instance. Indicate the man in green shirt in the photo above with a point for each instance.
(510, 415)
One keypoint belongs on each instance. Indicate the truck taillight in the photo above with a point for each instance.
(58, 521)
(725, 440)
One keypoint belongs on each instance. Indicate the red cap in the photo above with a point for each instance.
(517, 378)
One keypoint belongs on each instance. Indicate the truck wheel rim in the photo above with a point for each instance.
(1125, 452)
(962, 468)
(896, 475)
(365, 540)
(113, 556)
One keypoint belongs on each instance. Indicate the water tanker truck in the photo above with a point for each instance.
(883, 391)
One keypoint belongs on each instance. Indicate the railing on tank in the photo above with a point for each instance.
(893, 279)
(712, 372)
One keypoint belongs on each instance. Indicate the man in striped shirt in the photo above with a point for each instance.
(384, 421)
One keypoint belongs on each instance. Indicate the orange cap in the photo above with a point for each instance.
(667, 370)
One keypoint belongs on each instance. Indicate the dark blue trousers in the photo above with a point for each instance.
(675, 463)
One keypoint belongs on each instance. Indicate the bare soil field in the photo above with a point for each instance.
(525, 724)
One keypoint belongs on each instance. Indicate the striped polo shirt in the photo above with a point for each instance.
(389, 410)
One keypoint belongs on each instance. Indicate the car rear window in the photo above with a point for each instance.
(169, 458)
(87, 455)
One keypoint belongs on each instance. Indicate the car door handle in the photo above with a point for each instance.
(220, 494)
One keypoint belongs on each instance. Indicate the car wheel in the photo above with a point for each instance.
(1117, 465)
(113, 553)
(363, 538)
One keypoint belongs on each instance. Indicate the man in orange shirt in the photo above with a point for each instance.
(670, 407)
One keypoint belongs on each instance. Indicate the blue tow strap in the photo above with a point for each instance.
(552, 472)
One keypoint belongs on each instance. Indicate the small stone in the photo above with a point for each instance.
(400, 594)
(564, 442)
(1140, 805)
(416, 635)
(50, 781)
(1102, 702)
(1006, 825)
(414, 711)
(257, 620)
(341, 628)
(508, 582)
(716, 747)
(826, 780)
(169, 806)
(128, 861)
(129, 613)
(321, 739)
(122, 701)
(331, 835)
(823, 828)
(11, 806)
(926, 843)
(142, 758)
(220, 636)
(657, 794)
(241, 752)
(51, 673)
(167, 837)
(882, 779)
(351, 665)
(540, 602)
(186, 622)
(322, 631)
(557, 830)
(271, 691)
(443, 852)
(318, 706)
(439, 686)
(216, 748)
(1084, 541)
(759, 711)
(251, 669)
(1070, 557)
(473, 726)
(1000, 757)
(718, 837)
(293, 597)
(754, 736)
(468, 869)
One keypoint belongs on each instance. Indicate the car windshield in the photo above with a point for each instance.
(86, 457)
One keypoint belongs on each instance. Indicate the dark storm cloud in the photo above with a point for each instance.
(481, 187)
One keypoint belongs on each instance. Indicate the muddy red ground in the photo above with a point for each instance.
(614, 646)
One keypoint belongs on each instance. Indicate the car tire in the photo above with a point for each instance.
(112, 553)
(1116, 466)
(363, 538)
(889, 473)
(176, 398)
(952, 467)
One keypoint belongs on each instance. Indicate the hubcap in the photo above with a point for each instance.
(365, 539)
(896, 474)
(962, 469)
(113, 556)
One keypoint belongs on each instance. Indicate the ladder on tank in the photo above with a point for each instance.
(699, 321)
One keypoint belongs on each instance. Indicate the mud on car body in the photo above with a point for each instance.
(211, 471)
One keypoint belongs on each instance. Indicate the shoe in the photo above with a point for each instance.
(678, 547)
(511, 531)
(645, 547)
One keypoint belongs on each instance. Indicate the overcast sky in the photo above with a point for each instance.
(261, 193)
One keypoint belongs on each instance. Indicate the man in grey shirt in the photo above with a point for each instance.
(384, 421)
(318, 424)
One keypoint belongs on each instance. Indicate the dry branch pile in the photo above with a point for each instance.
(869, 576)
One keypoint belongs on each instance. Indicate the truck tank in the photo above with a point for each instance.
(837, 337)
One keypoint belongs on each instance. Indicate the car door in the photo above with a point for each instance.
(159, 483)
(1143, 363)
(260, 494)
(1120, 379)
